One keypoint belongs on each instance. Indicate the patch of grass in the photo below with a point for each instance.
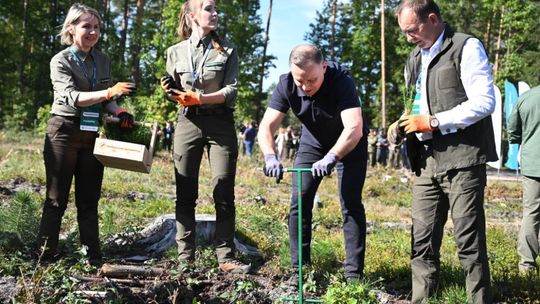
(388, 257)
(502, 254)
(451, 295)
(131, 200)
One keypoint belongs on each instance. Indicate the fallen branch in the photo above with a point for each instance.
(123, 271)
(132, 282)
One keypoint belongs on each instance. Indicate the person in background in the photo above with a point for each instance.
(291, 140)
(324, 98)
(394, 155)
(382, 148)
(82, 85)
(168, 133)
(524, 129)
(249, 135)
(372, 147)
(241, 128)
(449, 140)
(280, 143)
(202, 71)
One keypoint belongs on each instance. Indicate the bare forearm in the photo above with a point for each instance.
(87, 99)
(269, 124)
(347, 141)
(213, 98)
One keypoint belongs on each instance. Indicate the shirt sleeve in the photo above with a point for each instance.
(348, 96)
(514, 125)
(230, 88)
(477, 81)
(280, 100)
(63, 83)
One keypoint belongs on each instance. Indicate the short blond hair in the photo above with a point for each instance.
(72, 18)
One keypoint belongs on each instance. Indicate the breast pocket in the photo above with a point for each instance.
(215, 69)
(183, 71)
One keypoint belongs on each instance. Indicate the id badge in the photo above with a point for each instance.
(90, 119)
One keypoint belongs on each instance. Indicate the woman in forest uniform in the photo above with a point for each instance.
(81, 79)
(202, 72)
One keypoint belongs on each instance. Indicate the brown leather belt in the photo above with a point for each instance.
(206, 111)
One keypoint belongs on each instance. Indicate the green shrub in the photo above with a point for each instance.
(346, 293)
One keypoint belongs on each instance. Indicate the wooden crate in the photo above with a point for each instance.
(126, 155)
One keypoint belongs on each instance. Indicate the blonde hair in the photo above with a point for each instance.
(185, 28)
(72, 18)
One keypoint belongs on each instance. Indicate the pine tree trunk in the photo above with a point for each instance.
(498, 50)
(24, 53)
(123, 34)
(383, 69)
(258, 111)
(136, 47)
(333, 26)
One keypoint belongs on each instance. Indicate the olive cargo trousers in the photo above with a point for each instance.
(193, 136)
(461, 192)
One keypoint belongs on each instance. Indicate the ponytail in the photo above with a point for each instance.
(216, 42)
(184, 25)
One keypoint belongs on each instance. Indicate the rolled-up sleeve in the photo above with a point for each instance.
(65, 90)
(230, 89)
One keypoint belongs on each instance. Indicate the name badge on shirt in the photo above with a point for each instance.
(90, 119)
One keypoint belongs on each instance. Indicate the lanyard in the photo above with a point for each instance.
(83, 67)
(195, 73)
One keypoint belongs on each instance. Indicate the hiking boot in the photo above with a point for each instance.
(96, 262)
(235, 266)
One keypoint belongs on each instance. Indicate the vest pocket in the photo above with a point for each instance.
(447, 78)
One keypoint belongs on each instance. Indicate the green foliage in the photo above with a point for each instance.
(346, 293)
(451, 295)
(21, 217)
(138, 134)
(407, 98)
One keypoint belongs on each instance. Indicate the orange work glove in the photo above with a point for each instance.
(189, 98)
(120, 89)
(126, 119)
(416, 123)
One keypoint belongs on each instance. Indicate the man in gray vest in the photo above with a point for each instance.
(449, 140)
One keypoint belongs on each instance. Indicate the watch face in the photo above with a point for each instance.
(434, 122)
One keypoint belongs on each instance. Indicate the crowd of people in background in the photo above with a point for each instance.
(287, 140)
(384, 153)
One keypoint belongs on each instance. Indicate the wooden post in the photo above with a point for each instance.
(383, 68)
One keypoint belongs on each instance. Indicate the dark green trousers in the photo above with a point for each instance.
(530, 225)
(69, 153)
(214, 135)
(434, 194)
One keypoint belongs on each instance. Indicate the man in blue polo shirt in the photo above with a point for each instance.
(324, 98)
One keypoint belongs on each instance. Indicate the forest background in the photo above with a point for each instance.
(136, 34)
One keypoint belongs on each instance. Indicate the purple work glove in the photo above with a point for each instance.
(324, 166)
(272, 167)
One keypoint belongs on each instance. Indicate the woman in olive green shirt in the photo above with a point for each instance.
(81, 79)
(202, 71)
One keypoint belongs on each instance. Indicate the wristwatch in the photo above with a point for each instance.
(433, 122)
